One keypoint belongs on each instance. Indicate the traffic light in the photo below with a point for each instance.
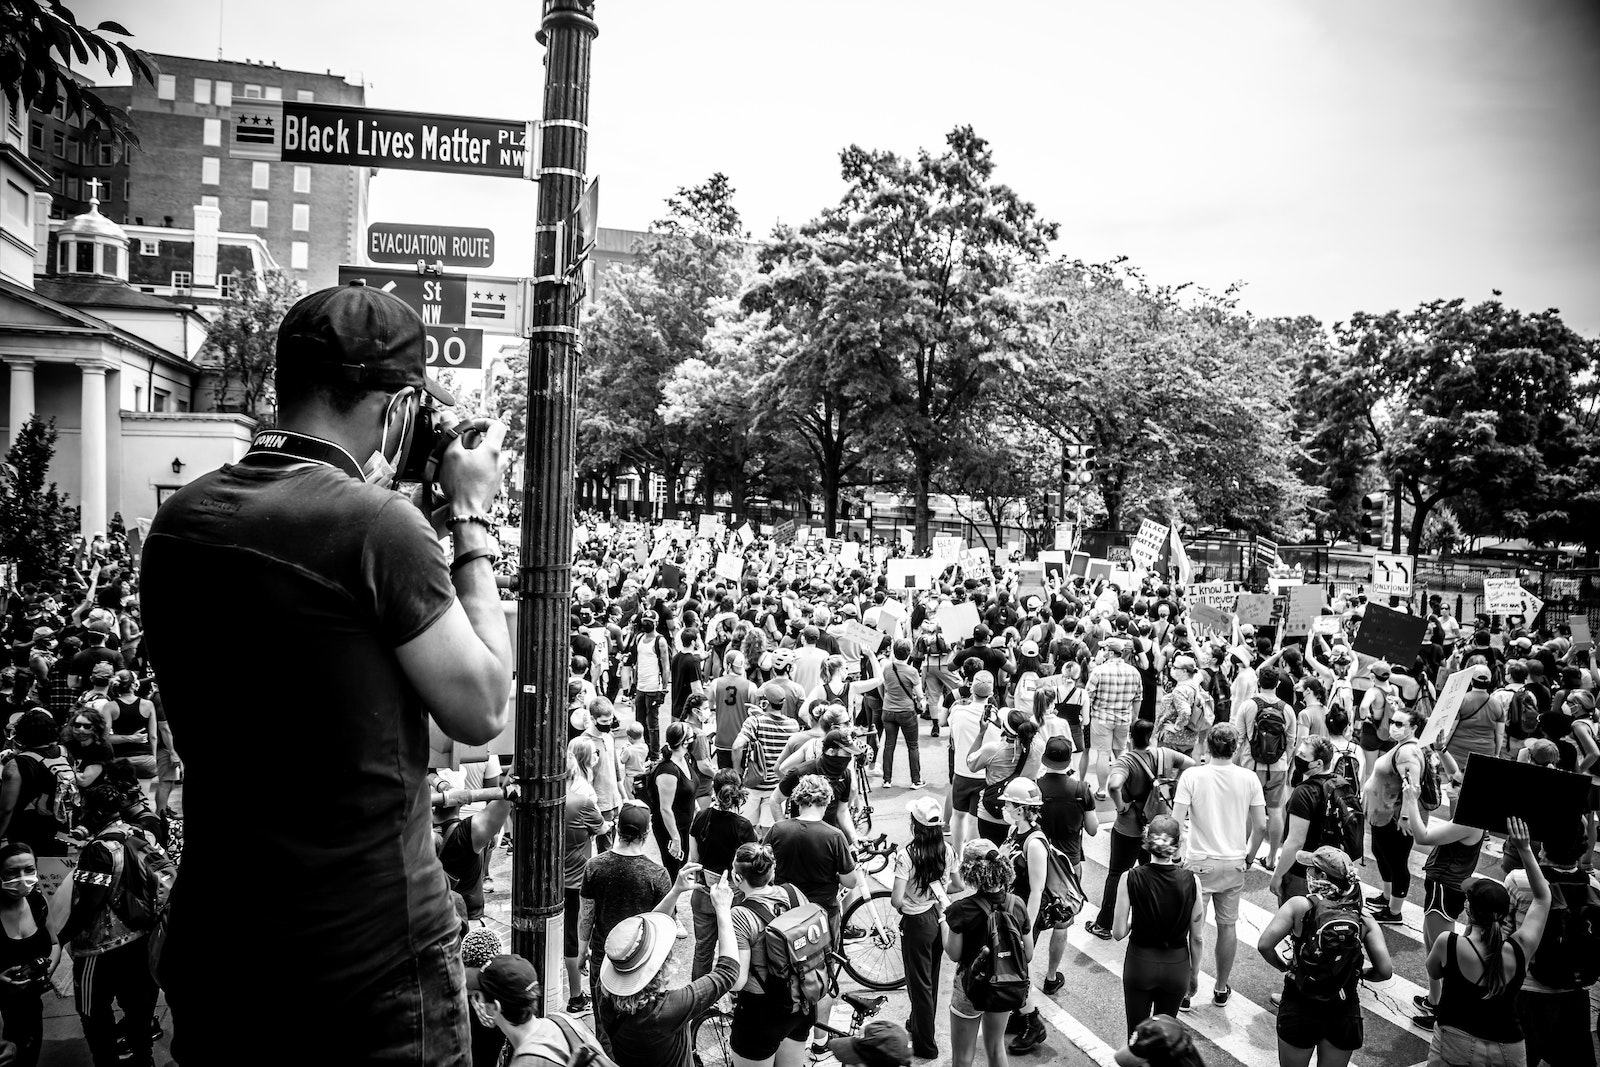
(1052, 507)
(1080, 464)
(1373, 508)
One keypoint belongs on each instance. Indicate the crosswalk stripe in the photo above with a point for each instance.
(1087, 1041)
(1392, 1004)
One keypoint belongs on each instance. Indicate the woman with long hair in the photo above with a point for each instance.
(835, 688)
(714, 836)
(965, 924)
(671, 797)
(924, 876)
(1481, 971)
(1162, 912)
(28, 954)
(1013, 755)
(86, 746)
(583, 823)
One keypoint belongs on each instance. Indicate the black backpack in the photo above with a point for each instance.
(998, 978)
(1344, 817)
(1568, 955)
(1328, 951)
(1522, 713)
(1269, 732)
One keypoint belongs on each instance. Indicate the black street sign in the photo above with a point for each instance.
(455, 348)
(450, 246)
(295, 131)
(438, 298)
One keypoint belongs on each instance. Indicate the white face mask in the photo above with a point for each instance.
(399, 419)
(21, 884)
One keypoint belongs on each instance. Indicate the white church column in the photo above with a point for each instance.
(92, 488)
(21, 393)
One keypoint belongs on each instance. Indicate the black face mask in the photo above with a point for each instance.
(606, 727)
(835, 765)
(1297, 774)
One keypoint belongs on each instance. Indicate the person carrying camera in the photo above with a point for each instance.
(376, 631)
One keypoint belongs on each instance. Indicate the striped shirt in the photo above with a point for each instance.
(769, 734)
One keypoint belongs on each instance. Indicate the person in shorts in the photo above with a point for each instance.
(966, 787)
(763, 1022)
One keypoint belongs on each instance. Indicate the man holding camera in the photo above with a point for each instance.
(344, 912)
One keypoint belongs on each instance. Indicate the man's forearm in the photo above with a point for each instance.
(479, 596)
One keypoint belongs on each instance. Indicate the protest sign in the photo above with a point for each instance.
(1221, 595)
(879, 554)
(784, 532)
(1254, 609)
(948, 549)
(1546, 799)
(975, 563)
(1326, 625)
(889, 617)
(1055, 565)
(730, 565)
(1079, 566)
(1448, 705)
(1391, 575)
(1531, 606)
(1278, 586)
(1389, 635)
(1502, 596)
(641, 554)
(1147, 543)
(1099, 568)
(1014, 548)
(711, 526)
(746, 535)
(602, 529)
(1305, 607)
(671, 577)
(802, 534)
(910, 574)
(850, 553)
(1066, 536)
(870, 639)
(908, 536)
(957, 621)
(1031, 580)
(1208, 619)
(1581, 640)
(659, 553)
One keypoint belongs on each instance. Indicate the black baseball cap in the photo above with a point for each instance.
(361, 335)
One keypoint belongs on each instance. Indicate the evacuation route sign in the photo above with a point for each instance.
(305, 132)
(452, 246)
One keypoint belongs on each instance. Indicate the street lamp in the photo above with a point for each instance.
(177, 465)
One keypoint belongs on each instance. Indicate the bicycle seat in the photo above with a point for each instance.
(865, 1005)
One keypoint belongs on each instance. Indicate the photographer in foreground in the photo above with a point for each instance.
(368, 630)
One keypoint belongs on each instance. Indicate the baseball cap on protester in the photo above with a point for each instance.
(1331, 861)
(635, 817)
(100, 621)
(774, 694)
(983, 685)
(1057, 754)
(881, 1043)
(838, 739)
(927, 811)
(509, 981)
(360, 335)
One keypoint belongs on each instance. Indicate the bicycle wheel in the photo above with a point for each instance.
(710, 1039)
(874, 960)
(863, 817)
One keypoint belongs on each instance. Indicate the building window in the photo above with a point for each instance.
(302, 179)
(300, 255)
(258, 213)
(61, 110)
(183, 405)
(253, 92)
(15, 205)
(107, 155)
(58, 144)
(166, 87)
(84, 257)
(302, 217)
(73, 188)
(181, 280)
(158, 399)
(224, 95)
(229, 284)
(127, 190)
(213, 133)
(202, 90)
(260, 175)
(74, 151)
(36, 135)
(305, 96)
(210, 171)
(148, 247)
(210, 201)
(272, 92)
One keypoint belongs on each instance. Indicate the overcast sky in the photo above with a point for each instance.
(1333, 157)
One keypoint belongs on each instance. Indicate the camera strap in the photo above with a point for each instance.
(283, 447)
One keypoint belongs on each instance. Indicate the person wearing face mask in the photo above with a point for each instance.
(28, 954)
(600, 730)
(671, 796)
(1391, 839)
(505, 994)
(386, 627)
(1312, 817)
(834, 765)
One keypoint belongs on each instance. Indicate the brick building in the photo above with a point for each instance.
(311, 217)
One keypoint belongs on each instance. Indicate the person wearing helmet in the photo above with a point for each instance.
(97, 627)
(1015, 754)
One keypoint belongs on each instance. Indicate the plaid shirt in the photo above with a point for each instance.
(1115, 690)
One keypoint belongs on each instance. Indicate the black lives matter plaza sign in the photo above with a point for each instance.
(291, 131)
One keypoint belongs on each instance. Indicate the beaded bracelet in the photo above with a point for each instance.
(477, 520)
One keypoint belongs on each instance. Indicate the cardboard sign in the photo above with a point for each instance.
(1254, 609)
(1547, 800)
(1581, 638)
(746, 535)
(850, 553)
(1502, 596)
(711, 526)
(1211, 620)
(659, 553)
(730, 565)
(1030, 580)
(948, 549)
(1389, 635)
(1531, 605)
(1014, 548)
(602, 529)
(975, 564)
(910, 574)
(957, 621)
(1391, 575)
(802, 534)
(1055, 565)
(890, 616)
(1305, 607)
(1447, 707)
(1079, 565)
(1099, 568)
(671, 577)
(1147, 544)
(1066, 536)
(1326, 625)
(1223, 595)
(870, 639)
(784, 532)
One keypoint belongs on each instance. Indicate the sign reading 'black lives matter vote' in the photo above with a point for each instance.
(300, 132)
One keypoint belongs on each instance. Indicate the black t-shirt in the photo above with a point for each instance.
(87, 753)
(994, 661)
(840, 783)
(718, 835)
(1309, 801)
(812, 856)
(621, 887)
(83, 663)
(583, 645)
(462, 864)
(967, 918)
(1066, 798)
(685, 672)
(334, 575)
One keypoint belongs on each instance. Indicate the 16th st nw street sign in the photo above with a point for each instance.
(294, 131)
(494, 304)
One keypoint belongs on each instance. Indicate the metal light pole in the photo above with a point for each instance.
(544, 589)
